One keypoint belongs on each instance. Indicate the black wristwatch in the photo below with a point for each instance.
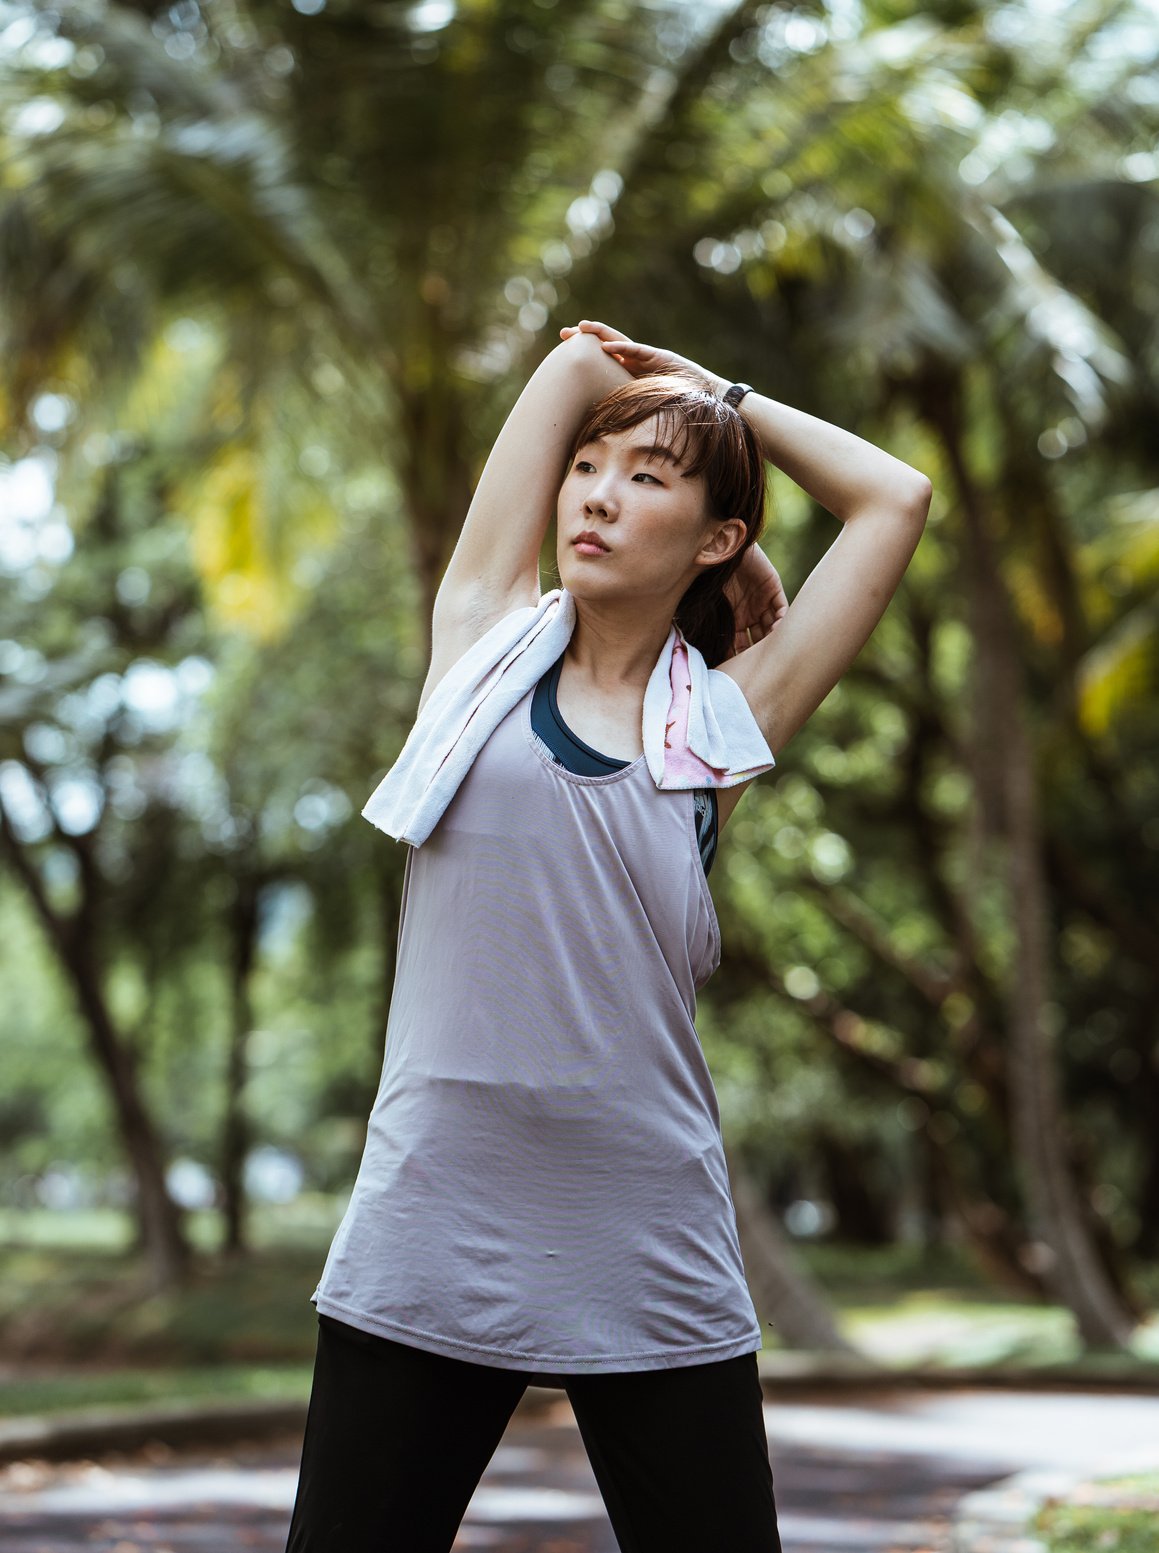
(736, 393)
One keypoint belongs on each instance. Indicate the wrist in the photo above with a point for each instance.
(736, 393)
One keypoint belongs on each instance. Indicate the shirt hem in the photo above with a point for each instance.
(514, 1358)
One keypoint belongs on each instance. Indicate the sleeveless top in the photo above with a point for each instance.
(572, 752)
(543, 1185)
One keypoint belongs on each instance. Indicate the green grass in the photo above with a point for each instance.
(307, 1223)
(1119, 1515)
(78, 1325)
(74, 1291)
(86, 1306)
(62, 1392)
(859, 1274)
(907, 1306)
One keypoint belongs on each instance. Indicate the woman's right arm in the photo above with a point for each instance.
(495, 565)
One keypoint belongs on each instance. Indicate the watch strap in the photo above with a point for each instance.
(736, 393)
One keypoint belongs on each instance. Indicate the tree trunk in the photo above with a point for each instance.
(160, 1220)
(1069, 1262)
(794, 1303)
(436, 478)
(998, 1243)
(862, 1217)
(235, 1138)
(1147, 1240)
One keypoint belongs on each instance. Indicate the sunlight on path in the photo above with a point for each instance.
(1010, 1429)
(866, 1474)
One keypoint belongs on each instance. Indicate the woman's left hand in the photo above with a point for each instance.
(757, 596)
(639, 359)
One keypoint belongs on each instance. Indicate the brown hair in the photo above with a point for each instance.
(710, 438)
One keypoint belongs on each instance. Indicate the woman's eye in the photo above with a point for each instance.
(582, 466)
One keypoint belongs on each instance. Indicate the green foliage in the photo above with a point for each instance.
(47, 1394)
(286, 273)
(77, 1305)
(1116, 1514)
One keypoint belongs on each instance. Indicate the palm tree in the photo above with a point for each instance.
(844, 187)
(245, 171)
(875, 235)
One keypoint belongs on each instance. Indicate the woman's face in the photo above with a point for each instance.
(635, 497)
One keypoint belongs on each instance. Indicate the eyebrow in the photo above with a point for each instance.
(657, 450)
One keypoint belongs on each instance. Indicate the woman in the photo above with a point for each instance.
(543, 1197)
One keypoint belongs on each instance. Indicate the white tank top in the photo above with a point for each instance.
(543, 1185)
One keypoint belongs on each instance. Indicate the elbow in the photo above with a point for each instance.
(580, 349)
(904, 498)
(916, 502)
(584, 360)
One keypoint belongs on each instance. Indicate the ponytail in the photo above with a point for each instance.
(705, 615)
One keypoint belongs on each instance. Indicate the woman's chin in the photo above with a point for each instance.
(586, 573)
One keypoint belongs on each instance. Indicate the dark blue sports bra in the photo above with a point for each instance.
(575, 755)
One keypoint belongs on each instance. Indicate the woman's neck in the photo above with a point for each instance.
(615, 647)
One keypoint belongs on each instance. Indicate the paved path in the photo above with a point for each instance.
(854, 1474)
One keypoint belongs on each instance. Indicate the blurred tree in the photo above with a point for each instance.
(870, 216)
(274, 170)
(72, 742)
(882, 239)
(237, 160)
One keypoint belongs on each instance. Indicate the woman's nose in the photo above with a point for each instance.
(600, 498)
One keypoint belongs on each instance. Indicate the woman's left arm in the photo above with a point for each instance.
(882, 504)
(804, 649)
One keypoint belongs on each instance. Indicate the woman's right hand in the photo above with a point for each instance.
(640, 359)
(758, 599)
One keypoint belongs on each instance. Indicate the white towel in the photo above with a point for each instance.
(497, 672)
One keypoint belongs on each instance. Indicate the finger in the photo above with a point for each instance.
(636, 357)
(603, 331)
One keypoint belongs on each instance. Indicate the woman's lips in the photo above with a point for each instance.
(584, 548)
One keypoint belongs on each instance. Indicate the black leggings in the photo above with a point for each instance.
(397, 1439)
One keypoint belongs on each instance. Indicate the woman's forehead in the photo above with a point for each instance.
(650, 437)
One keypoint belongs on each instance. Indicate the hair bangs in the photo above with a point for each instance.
(687, 415)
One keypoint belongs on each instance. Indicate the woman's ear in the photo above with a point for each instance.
(729, 537)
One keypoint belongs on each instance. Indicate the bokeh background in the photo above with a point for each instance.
(271, 276)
